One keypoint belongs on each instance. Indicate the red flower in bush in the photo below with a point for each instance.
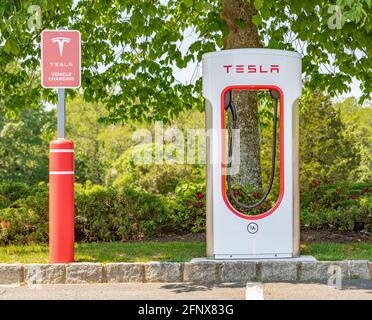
(365, 190)
(198, 204)
(256, 195)
(199, 195)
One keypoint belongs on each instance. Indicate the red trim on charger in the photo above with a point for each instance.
(281, 135)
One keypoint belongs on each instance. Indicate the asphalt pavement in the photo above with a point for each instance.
(350, 290)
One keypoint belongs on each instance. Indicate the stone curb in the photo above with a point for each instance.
(164, 272)
(125, 272)
(85, 273)
(11, 274)
(203, 272)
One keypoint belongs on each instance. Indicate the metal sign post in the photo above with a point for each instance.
(61, 113)
(60, 65)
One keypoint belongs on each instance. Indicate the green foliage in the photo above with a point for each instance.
(337, 195)
(331, 55)
(358, 128)
(155, 178)
(327, 152)
(102, 214)
(26, 220)
(344, 206)
(112, 214)
(83, 127)
(128, 62)
(190, 207)
(24, 145)
(11, 191)
(350, 219)
(125, 213)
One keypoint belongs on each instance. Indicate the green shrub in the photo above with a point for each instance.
(155, 178)
(104, 213)
(11, 191)
(190, 207)
(350, 217)
(112, 214)
(101, 214)
(334, 195)
(27, 220)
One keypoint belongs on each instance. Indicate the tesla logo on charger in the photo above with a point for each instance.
(251, 68)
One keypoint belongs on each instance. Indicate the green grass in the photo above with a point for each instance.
(109, 252)
(338, 251)
(167, 251)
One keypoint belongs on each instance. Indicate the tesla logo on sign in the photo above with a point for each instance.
(251, 68)
(61, 42)
(60, 58)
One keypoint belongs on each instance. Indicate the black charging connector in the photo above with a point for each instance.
(230, 104)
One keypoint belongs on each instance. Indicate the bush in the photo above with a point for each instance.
(104, 213)
(344, 206)
(334, 195)
(190, 209)
(26, 220)
(101, 214)
(112, 214)
(155, 178)
(11, 191)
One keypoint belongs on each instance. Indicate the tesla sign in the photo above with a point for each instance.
(60, 59)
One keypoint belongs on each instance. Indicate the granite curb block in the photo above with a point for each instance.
(203, 272)
(11, 274)
(164, 272)
(45, 274)
(278, 270)
(125, 272)
(77, 273)
(323, 270)
(238, 271)
(359, 269)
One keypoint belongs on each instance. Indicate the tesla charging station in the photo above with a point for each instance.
(232, 233)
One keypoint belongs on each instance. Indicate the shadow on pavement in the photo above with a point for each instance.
(194, 287)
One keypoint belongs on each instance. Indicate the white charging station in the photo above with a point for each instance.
(230, 233)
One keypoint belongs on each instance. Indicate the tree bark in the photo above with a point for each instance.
(246, 101)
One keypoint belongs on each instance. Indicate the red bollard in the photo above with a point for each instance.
(61, 201)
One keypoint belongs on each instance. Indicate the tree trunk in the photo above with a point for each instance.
(247, 108)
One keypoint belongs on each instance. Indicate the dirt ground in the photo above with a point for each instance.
(307, 236)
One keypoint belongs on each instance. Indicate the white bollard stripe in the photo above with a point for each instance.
(61, 150)
(61, 172)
